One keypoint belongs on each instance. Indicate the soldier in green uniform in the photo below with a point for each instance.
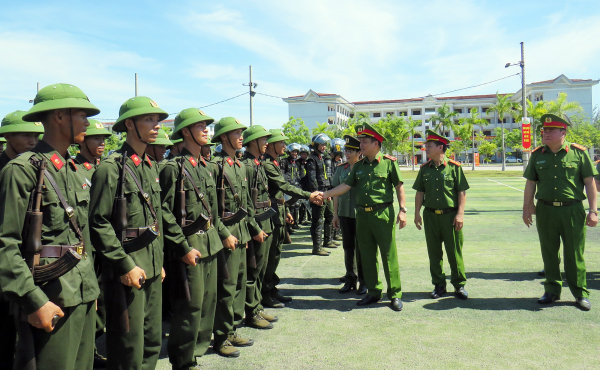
(375, 177)
(174, 149)
(20, 136)
(158, 148)
(271, 297)
(344, 217)
(133, 257)
(441, 187)
(232, 186)
(255, 142)
(193, 315)
(63, 110)
(206, 151)
(557, 173)
(88, 158)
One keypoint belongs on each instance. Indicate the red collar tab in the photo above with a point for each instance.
(149, 161)
(136, 160)
(276, 164)
(230, 161)
(203, 161)
(566, 148)
(256, 161)
(88, 165)
(193, 161)
(346, 166)
(72, 162)
(238, 163)
(56, 161)
(97, 161)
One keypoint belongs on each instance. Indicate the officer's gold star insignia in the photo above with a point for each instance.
(153, 103)
(548, 119)
(37, 123)
(99, 125)
(166, 136)
(238, 121)
(201, 112)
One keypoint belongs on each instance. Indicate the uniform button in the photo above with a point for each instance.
(554, 188)
(437, 199)
(437, 189)
(554, 176)
(555, 166)
(366, 194)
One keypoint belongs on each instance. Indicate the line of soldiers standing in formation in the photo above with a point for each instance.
(83, 240)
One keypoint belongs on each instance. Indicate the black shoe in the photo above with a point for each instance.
(281, 298)
(270, 302)
(362, 288)
(542, 272)
(396, 304)
(295, 226)
(343, 279)
(348, 286)
(99, 361)
(438, 292)
(461, 293)
(368, 300)
(548, 298)
(584, 303)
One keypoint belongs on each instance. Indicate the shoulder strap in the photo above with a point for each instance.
(200, 194)
(68, 209)
(145, 195)
(236, 196)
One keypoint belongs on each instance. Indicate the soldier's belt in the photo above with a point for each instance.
(202, 223)
(441, 211)
(375, 207)
(268, 213)
(68, 257)
(230, 218)
(140, 237)
(559, 204)
(265, 204)
(57, 251)
(280, 201)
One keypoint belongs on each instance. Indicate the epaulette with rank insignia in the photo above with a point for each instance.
(426, 163)
(341, 164)
(454, 162)
(580, 147)
(390, 157)
(537, 148)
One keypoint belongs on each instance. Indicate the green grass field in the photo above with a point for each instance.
(501, 326)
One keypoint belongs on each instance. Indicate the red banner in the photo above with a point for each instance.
(526, 135)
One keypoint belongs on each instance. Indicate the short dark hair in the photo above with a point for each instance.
(438, 143)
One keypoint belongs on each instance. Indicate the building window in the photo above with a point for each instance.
(330, 121)
(376, 114)
(489, 121)
(429, 110)
(458, 110)
(417, 136)
(484, 110)
(389, 113)
(416, 112)
(487, 133)
(402, 113)
(539, 96)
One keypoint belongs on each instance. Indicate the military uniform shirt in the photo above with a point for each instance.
(258, 178)
(597, 177)
(17, 181)
(103, 193)
(374, 180)
(347, 201)
(560, 175)
(207, 243)
(441, 184)
(4, 159)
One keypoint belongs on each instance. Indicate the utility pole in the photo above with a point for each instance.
(38, 87)
(524, 102)
(136, 85)
(252, 86)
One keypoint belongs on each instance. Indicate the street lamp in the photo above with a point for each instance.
(521, 64)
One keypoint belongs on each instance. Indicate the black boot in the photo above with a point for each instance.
(316, 232)
(349, 285)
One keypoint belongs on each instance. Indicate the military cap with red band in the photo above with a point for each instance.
(432, 136)
(366, 130)
(554, 121)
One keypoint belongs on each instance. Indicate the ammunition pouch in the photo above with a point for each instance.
(202, 223)
(230, 218)
(139, 238)
(68, 257)
(268, 213)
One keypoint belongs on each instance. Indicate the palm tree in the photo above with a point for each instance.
(444, 118)
(504, 107)
(536, 112)
(560, 106)
(473, 120)
(411, 124)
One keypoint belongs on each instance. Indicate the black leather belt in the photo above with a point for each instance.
(375, 207)
(57, 251)
(134, 232)
(559, 204)
(441, 211)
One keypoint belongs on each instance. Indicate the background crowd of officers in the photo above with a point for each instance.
(91, 246)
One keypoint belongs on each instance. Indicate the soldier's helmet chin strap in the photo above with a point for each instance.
(193, 138)
(138, 132)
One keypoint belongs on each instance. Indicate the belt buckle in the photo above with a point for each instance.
(439, 212)
(79, 249)
(368, 209)
(155, 229)
(208, 225)
(556, 204)
(70, 211)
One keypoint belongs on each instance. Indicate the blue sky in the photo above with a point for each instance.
(191, 54)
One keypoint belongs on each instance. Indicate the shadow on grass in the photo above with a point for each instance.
(491, 304)
(476, 212)
(507, 276)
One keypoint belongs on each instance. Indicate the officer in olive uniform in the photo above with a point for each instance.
(277, 188)
(318, 174)
(557, 174)
(193, 314)
(158, 148)
(375, 177)
(232, 186)
(133, 258)
(344, 217)
(441, 187)
(255, 142)
(69, 343)
(20, 136)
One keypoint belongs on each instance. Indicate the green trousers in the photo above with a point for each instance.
(256, 276)
(139, 348)
(271, 279)
(377, 233)
(192, 322)
(8, 335)
(70, 346)
(231, 293)
(566, 223)
(438, 230)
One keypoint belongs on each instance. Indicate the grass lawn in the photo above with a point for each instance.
(501, 326)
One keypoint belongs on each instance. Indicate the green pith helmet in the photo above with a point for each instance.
(59, 96)
(277, 135)
(174, 142)
(210, 143)
(162, 138)
(188, 117)
(254, 132)
(96, 128)
(137, 106)
(2, 140)
(224, 126)
(13, 122)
